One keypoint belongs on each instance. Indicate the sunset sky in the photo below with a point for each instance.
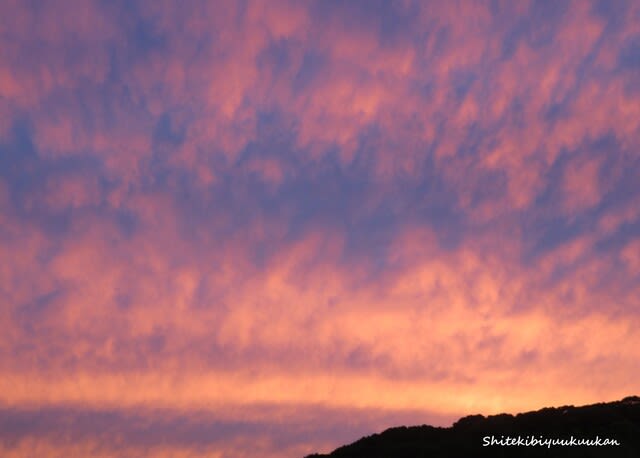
(267, 228)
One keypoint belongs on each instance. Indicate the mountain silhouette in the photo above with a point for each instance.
(613, 430)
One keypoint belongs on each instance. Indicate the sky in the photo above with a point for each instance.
(266, 228)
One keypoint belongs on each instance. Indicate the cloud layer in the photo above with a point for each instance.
(240, 226)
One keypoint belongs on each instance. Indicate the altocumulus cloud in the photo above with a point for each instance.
(241, 223)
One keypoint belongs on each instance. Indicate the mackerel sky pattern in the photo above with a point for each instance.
(266, 228)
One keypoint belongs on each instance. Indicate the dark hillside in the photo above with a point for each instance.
(615, 421)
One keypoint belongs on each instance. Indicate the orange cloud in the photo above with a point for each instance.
(313, 206)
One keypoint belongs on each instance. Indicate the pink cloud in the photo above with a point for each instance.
(255, 205)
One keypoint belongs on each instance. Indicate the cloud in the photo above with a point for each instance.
(338, 209)
(269, 430)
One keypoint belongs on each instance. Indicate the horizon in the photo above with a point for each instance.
(244, 228)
